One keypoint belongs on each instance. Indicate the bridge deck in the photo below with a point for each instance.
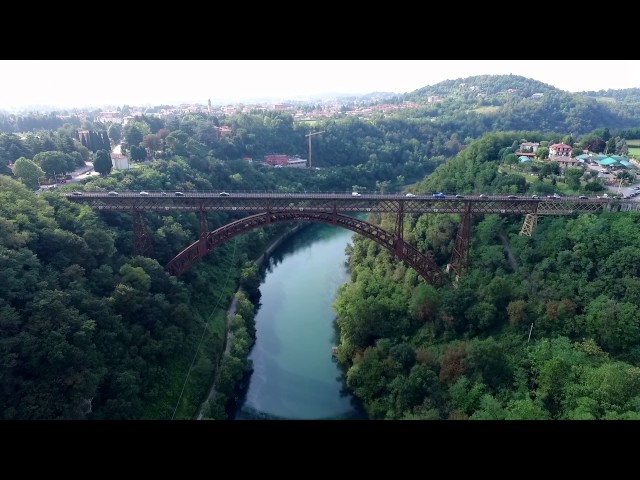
(252, 202)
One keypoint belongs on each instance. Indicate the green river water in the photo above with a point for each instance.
(295, 376)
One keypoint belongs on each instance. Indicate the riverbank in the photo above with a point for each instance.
(292, 372)
(231, 310)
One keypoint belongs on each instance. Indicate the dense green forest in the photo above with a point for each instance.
(540, 327)
(91, 331)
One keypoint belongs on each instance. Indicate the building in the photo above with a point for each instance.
(274, 160)
(565, 162)
(560, 150)
(222, 131)
(297, 162)
(529, 147)
(120, 162)
(109, 117)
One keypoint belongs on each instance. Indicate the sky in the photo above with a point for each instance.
(96, 83)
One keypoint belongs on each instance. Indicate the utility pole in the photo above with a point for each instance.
(310, 135)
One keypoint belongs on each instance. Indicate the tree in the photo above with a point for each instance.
(115, 132)
(250, 280)
(573, 176)
(511, 160)
(103, 163)
(52, 162)
(621, 146)
(28, 172)
(153, 142)
(137, 153)
(542, 153)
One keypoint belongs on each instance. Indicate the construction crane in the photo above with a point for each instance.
(310, 135)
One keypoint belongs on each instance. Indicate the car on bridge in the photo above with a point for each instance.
(438, 195)
(179, 194)
(355, 194)
(113, 194)
(224, 194)
(144, 193)
(410, 195)
(77, 193)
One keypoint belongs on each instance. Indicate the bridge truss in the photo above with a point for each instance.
(264, 208)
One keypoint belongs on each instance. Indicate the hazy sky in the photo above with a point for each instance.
(80, 83)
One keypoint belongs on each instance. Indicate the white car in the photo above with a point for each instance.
(355, 194)
(144, 193)
(409, 195)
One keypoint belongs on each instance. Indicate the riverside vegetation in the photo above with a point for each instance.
(90, 331)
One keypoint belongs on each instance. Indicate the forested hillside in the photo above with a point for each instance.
(540, 327)
(512, 102)
(91, 331)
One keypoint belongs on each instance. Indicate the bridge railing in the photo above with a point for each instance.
(366, 194)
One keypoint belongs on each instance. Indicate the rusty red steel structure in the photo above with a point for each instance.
(266, 208)
(142, 241)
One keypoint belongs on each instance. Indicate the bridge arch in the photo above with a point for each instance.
(422, 263)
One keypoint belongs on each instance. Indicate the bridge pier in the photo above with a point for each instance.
(142, 242)
(399, 241)
(529, 225)
(460, 254)
(204, 230)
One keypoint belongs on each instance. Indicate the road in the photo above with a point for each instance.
(81, 173)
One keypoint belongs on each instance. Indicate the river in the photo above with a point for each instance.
(295, 376)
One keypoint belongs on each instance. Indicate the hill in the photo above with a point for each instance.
(512, 102)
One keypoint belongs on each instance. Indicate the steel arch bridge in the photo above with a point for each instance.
(266, 208)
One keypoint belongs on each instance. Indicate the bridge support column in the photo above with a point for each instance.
(399, 242)
(460, 255)
(142, 242)
(204, 224)
(529, 225)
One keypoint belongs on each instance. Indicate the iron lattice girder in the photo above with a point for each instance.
(529, 224)
(328, 208)
(460, 255)
(423, 264)
(142, 241)
(256, 203)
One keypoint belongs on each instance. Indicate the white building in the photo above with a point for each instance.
(120, 162)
